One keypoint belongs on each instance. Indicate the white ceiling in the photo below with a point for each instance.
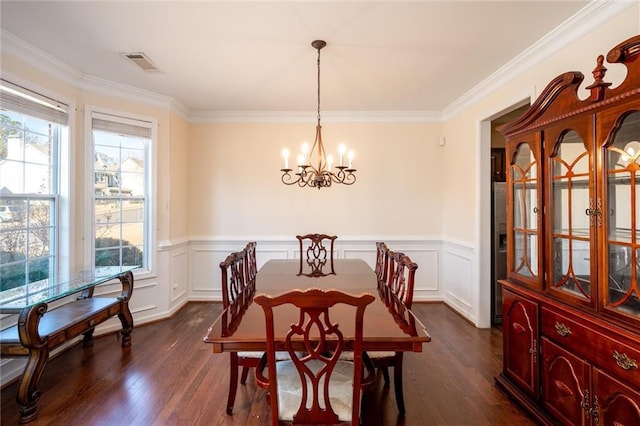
(242, 56)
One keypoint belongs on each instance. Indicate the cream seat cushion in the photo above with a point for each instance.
(290, 389)
(280, 356)
(348, 356)
(380, 354)
(250, 354)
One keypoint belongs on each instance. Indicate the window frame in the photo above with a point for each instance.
(63, 233)
(150, 219)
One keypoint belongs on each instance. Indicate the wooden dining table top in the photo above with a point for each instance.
(388, 324)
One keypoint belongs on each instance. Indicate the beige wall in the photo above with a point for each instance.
(460, 168)
(235, 188)
(176, 180)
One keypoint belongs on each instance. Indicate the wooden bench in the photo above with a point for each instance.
(39, 330)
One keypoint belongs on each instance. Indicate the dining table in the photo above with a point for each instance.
(388, 324)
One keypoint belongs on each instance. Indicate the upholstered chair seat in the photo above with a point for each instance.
(290, 388)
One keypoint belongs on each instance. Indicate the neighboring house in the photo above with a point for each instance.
(133, 175)
(36, 167)
(109, 179)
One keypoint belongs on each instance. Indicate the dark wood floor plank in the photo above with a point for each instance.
(170, 377)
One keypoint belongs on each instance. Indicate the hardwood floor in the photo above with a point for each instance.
(170, 377)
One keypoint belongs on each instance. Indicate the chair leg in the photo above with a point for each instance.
(385, 374)
(233, 381)
(245, 374)
(397, 383)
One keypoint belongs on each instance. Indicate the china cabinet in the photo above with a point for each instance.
(571, 305)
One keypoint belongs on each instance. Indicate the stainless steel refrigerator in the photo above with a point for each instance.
(498, 247)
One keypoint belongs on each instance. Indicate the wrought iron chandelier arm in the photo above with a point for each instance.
(288, 179)
(344, 176)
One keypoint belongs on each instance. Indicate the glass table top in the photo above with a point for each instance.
(48, 290)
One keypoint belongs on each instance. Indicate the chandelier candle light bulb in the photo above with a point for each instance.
(314, 166)
(342, 149)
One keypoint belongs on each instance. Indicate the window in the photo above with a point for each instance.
(120, 175)
(32, 130)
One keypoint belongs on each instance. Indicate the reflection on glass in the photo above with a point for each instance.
(525, 212)
(571, 226)
(623, 217)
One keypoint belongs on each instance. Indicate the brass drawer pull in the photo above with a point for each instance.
(562, 329)
(624, 361)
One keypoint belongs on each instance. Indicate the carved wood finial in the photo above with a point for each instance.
(599, 85)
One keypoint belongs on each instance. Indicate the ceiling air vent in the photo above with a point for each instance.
(141, 60)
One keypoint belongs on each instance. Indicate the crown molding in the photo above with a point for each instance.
(48, 64)
(586, 19)
(38, 59)
(107, 87)
(312, 116)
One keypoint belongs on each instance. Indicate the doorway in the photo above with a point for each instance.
(499, 211)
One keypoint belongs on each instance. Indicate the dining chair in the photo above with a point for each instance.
(315, 386)
(399, 284)
(316, 254)
(382, 262)
(237, 290)
(312, 245)
(251, 266)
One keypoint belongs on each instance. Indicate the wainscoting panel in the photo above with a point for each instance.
(459, 280)
(205, 274)
(179, 261)
(427, 285)
(368, 255)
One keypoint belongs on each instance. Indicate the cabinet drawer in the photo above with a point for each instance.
(603, 351)
(620, 360)
(568, 333)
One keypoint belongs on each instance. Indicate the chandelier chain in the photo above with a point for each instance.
(318, 86)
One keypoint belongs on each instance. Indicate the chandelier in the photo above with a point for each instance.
(314, 165)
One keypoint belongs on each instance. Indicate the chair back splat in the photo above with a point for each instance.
(315, 386)
(382, 262)
(234, 282)
(402, 281)
(316, 260)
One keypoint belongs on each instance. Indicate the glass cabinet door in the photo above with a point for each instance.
(622, 166)
(525, 214)
(572, 217)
